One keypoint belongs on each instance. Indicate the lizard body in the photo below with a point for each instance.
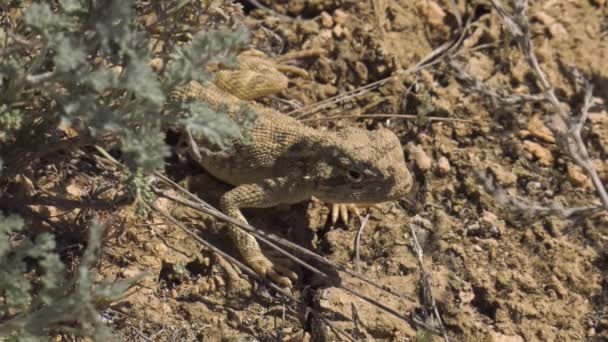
(289, 162)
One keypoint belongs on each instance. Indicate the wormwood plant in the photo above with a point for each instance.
(77, 73)
(87, 65)
(62, 303)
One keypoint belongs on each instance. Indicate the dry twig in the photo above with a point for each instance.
(497, 96)
(566, 127)
(270, 10)
(528, 207)
(249, 271)
(358, 242)
(388, 116)
(431, 59)
(264, 237)
(425, 280)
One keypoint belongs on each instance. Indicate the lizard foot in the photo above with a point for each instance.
(342, 210)
(279, 271)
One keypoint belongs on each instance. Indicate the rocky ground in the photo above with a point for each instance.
(495, 275)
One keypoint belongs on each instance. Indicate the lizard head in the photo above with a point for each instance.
(362, 166)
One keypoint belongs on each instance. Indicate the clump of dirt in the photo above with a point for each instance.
(495, 276)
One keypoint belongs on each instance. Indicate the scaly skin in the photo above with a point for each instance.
(289, 162)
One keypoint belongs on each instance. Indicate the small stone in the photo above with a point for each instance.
(326, 20)
(361, 71)
(577, 176)
(544, 156)
(601, 117)
(130, 272)
(556, 29)
(204, 288)
(156, 64)
(433, 12)
(443, 165)
(340, 17)
(339, 31)
(219, 281)
(476, 248)
(537, 128)
(74, 190)
(503, 176)
(416, 153)
(309, 27)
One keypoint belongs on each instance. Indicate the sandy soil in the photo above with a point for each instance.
(496, 276)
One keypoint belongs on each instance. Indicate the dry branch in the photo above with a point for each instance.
(425, 280)
(564, 124)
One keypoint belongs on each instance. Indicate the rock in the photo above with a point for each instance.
(340, 17)
(326, 20)
(542, 154)
(537, 128)
(416, 153)
(503, 176)
(339, 31)
(443, 165)
(601, 117)
(432, 12)
(577, 176)
(556, 29)
(488, 226)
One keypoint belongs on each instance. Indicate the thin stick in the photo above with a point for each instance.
(249, 271)
(389, 116)
(270, 10)
(476, 86)
(531, 208)
(426, 284)
(358, 242)
(261, 235)
(202, 205)
(258, 234)
(432, 58)
(562, 124)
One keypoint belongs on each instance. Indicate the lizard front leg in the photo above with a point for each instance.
(267, 193)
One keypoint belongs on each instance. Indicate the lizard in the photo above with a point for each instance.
(287, 162)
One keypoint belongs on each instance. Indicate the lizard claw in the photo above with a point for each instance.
(342, 210)
(279, 273)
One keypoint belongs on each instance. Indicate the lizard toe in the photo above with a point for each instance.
(342, 210)
(276, 272)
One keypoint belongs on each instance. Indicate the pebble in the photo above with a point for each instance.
(537, 128)
(423, 161)
(443, 165)
(544, 156)
(577, 176)
(340, 17)
(326, 20)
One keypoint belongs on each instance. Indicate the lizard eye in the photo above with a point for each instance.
(354, 175)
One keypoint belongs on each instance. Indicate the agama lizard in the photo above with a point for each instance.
(289, 162)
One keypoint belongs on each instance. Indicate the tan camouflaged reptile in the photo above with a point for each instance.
(289, 162)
